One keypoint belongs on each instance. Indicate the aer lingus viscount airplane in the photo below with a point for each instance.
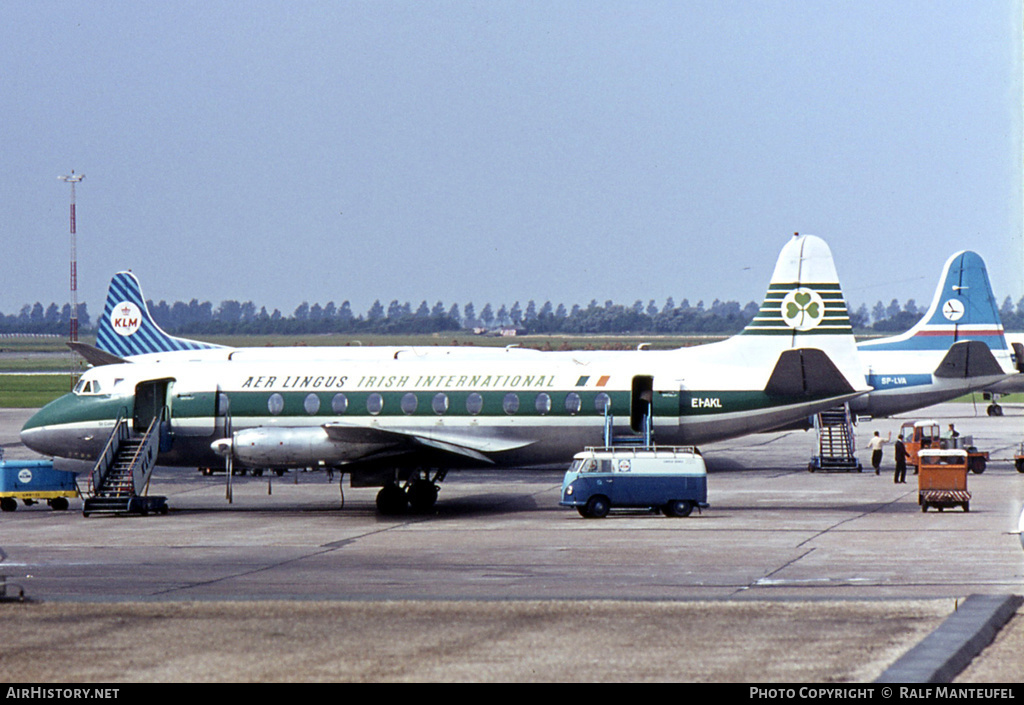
(387, 418)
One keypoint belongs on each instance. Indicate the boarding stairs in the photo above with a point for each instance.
(645, 438)
(836, 442)
(119, 482)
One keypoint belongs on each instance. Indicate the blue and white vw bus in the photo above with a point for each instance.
(670, 479)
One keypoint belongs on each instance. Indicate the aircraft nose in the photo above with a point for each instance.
(36, 439)
(60, 430)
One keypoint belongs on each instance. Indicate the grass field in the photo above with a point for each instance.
(31, 391)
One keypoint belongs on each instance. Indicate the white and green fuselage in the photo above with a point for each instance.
(523, 409)
(467, 406)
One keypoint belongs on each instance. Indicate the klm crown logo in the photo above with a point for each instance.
(126, 319)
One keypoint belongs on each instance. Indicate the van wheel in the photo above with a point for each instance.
(678, 508)
(597, 507)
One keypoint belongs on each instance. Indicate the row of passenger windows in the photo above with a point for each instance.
(440, 403)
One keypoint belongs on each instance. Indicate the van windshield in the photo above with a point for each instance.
(578, 465)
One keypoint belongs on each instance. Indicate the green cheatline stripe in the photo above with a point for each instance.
(777, 297)
(833, 321)
(775, 306)
(776, 315)
(833, 286)
(790, 331)
(841, 322)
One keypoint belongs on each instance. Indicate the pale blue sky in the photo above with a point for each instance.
(501, 151)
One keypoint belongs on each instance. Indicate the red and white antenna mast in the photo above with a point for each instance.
(73, 179)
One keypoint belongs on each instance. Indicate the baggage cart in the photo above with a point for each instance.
(33, 481)
(925, 435)
(942, 479)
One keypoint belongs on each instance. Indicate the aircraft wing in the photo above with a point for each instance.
(459, 444)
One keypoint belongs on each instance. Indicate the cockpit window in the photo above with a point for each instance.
(87, 386)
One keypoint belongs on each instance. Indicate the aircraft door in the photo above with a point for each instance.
(150, 400)
(641, 403)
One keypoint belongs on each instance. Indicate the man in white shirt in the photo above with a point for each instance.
(875, 444)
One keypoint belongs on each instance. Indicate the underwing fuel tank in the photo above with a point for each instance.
(287, 447)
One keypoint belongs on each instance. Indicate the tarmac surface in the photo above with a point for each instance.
(789, 576)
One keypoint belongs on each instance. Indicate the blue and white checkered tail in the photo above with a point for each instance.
(127, 329)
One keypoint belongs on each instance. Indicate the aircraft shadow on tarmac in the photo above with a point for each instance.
(723, 464)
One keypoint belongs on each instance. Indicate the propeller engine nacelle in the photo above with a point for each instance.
(286, 448)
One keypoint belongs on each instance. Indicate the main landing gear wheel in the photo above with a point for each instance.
(422, 495)
(392, 500)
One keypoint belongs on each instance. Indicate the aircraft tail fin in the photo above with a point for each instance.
(127, 328)
(963, 308)
(805, 308)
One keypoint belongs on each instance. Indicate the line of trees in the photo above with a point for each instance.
(245, 318)
(54, 319)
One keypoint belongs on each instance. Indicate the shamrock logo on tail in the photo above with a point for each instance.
(803, 309)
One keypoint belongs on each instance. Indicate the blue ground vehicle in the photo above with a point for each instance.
(672, 480)
(32, 481)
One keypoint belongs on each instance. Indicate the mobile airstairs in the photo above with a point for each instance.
(645, 438)
(836, 442)
(119, 482)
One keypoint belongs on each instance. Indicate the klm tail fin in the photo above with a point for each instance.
(127, 328)
(963, 308)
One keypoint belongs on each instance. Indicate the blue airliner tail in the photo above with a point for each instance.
(963, 308)
(127, 328)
